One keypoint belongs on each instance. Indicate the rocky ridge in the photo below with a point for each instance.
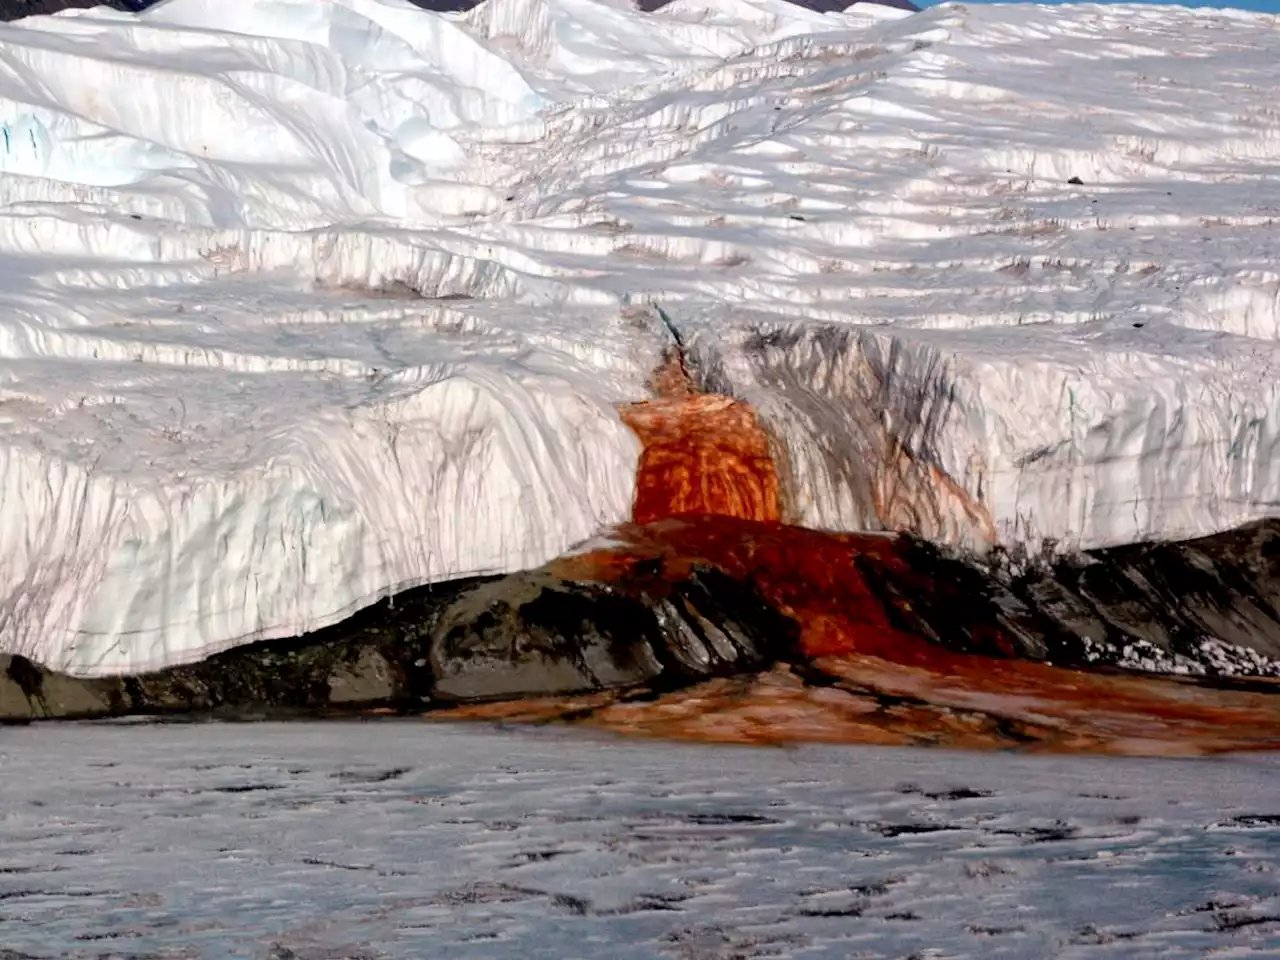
(709, 617)
(675, 604)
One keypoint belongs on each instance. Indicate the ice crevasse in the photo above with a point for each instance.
(306, 302)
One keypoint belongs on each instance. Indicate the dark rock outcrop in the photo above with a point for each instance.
(366, 661)
(533, 634)
(17, 9)
(1206, 605)
(528, 634)
(682, 602)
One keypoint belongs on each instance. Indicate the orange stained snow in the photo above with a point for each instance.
(703, 454)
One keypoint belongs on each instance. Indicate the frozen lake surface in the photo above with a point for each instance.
(408, 839)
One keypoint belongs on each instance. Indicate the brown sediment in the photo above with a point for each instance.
(865, 700)
(905, 486)
(707, 495)
(1084, 710)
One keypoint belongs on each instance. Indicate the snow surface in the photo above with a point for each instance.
(227, 412)
(406, 840)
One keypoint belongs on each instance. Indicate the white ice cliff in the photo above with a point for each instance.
(305, 302)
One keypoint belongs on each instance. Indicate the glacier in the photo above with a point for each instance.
(305, 303)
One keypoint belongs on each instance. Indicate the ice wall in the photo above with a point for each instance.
(304, 302)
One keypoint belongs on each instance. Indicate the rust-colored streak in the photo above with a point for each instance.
(870, 701)
(707, 494)
(919, 497)
(812, 576)
(885, 685)
(702, 454)
(1076, 710)
(706, 460)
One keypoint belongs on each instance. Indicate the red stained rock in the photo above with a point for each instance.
(866, 700)
(809, 575)
(707, 495)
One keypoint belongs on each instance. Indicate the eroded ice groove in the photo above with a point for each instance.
(402, 840)
(864, 225)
